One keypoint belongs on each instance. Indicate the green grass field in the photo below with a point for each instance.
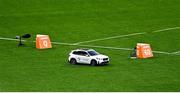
(71, 21)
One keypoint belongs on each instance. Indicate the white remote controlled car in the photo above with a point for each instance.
(87, 56)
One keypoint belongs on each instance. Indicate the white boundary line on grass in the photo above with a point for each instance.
(176, 52)
(103, 47)
(167, 29)
(2, 38)
(115, 48)
(120, 36)
(128, 35)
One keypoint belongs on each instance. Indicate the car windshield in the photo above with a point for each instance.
(93, 53)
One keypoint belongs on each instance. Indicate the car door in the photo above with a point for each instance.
(77, 55)
(84, 57)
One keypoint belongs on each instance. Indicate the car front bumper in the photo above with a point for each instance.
(103, 62)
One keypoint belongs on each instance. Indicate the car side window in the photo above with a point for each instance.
(77, 52)
(83, 53)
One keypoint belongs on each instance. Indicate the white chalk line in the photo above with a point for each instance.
(70, 44)
(128, 35)
(120, 36)
(10, 39)
(177, 52)
(102, 47)
(167, 29)
(161, 52)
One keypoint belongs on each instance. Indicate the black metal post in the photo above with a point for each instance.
(20, 41)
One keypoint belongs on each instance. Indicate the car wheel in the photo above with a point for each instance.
(73, 61)
(93, 63)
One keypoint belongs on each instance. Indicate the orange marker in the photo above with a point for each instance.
(144, 50)
(43, 42)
